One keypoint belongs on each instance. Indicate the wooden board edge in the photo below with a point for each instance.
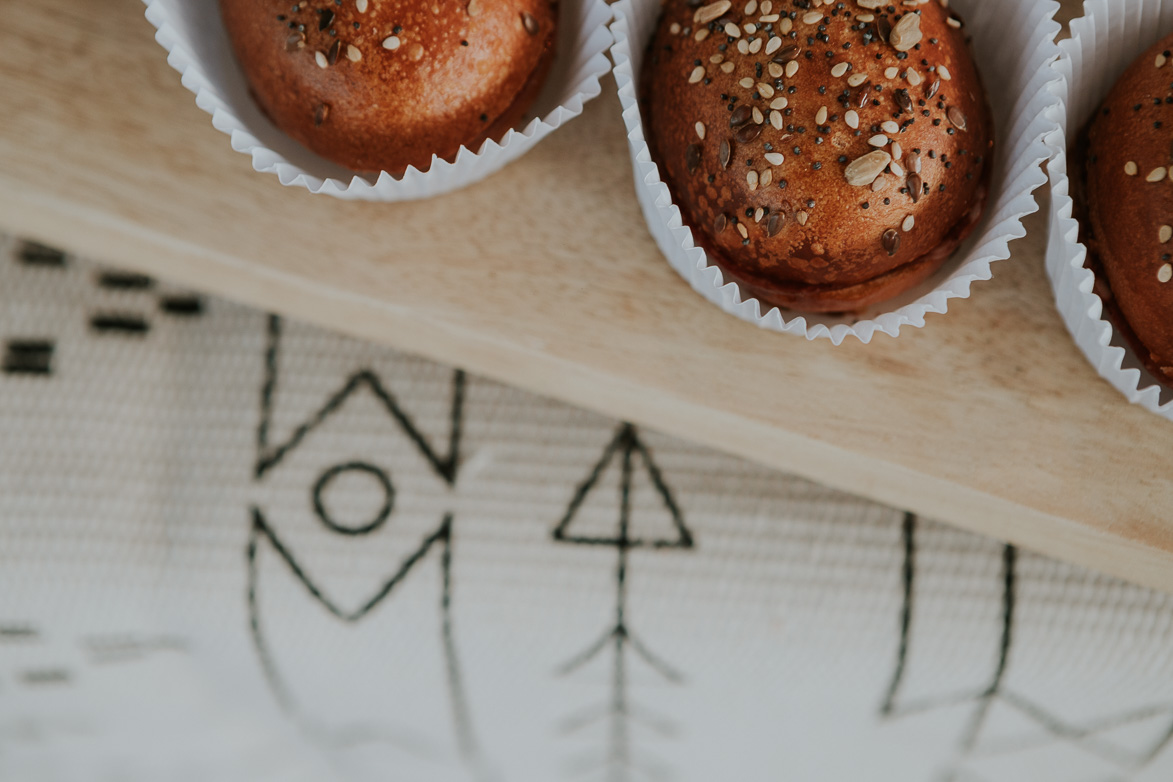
(43, 218)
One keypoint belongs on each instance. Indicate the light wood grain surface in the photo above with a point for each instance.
(545, 277)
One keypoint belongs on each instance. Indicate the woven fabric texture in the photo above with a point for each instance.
(237, 547)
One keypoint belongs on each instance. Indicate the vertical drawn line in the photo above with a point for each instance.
(908, 533)
(628, 439)
(1083, 736)
(446, 466)
(1009, 562)
(456, 426)
(970, 737)
(462, 719)
(619, 755)
(273, 335)
(276, 685)
(618, 763)
(624, 525)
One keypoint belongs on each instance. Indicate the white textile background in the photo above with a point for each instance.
(235, 547)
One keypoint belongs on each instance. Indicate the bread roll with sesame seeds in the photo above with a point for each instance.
(828, 156)
(380, 85)
(1124, 199)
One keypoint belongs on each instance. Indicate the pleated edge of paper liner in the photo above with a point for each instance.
(1071, 281)
(1021, 166)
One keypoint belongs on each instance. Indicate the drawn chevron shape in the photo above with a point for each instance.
(620, 713)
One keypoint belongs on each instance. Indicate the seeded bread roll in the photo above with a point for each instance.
(827, 156)
(1127, 206)
(378, 85)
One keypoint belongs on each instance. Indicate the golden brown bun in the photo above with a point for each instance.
(459, 72)
(1127, 216)
(813, 241)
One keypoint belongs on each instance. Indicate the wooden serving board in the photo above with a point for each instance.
(545, 277)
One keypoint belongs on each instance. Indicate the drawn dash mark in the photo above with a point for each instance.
(117, 323)
(33, 254)
(125, 281)
(184, 306)
(28, 357)
(43, 676)
(17, 632)
(908, 534)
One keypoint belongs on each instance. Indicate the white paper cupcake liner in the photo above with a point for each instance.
(197, 45)
(1103, 44)
(1014, 42)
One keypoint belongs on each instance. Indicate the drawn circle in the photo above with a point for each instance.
(360, 467)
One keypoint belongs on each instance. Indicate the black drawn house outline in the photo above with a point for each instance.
(270, 456)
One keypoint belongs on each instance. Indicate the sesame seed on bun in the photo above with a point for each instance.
(380, 85)
(1123, 193)
(827, 155)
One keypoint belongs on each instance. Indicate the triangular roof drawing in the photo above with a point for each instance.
(626, 445)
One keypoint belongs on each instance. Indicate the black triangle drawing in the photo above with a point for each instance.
(627, 445)
(621, 758)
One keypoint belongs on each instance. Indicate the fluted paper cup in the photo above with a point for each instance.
(1103, 43)
(197, 46)
(1014, 42)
